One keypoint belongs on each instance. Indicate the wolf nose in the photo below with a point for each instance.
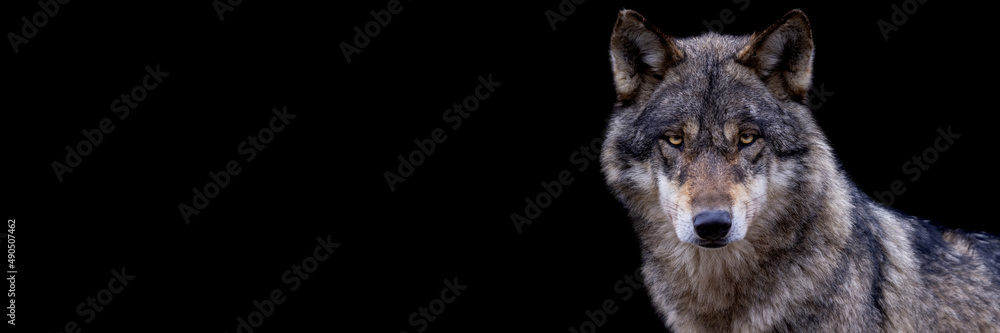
(712, 225)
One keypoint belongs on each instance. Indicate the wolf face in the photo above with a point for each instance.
(708, 132)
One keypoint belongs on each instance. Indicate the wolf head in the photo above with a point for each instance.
(711, 136)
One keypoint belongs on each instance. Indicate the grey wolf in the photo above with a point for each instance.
(746, 221)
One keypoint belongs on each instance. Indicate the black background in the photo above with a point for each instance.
(324, 173)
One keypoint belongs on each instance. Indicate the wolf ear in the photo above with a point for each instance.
(640, 55)
(782, 56)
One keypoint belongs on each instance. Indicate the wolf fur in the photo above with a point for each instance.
(746, 221)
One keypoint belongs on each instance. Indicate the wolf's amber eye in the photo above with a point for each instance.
(675, 140)
(747, 138)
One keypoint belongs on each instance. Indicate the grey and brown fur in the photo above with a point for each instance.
(746, 221)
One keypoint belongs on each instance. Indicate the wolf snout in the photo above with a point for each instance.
(712, 225)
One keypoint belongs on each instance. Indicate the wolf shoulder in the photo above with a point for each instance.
(941, 250)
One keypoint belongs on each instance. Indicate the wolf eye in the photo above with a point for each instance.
(747, 138)
(675, 140)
